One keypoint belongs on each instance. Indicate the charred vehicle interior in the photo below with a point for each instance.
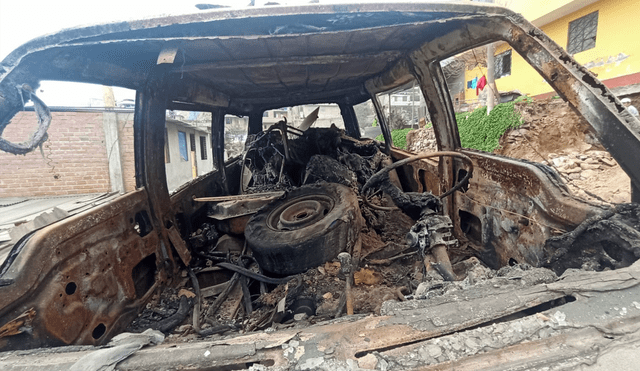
(311, 224)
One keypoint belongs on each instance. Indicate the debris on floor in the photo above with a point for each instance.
(322, 230)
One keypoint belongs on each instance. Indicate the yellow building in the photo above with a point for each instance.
(601, 35)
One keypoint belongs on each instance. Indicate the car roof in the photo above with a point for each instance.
(263, 55)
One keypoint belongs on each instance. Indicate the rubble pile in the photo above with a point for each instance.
(422, 140)
(580, 165)
(593, 175)
(517, 135)
(552, 129)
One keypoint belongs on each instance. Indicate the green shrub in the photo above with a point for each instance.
(481, 131)
(398, 137)
(524, 98)
(477, 129)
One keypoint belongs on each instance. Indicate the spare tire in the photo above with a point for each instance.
(309, 226)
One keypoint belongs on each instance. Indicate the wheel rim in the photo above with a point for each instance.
(300, 212)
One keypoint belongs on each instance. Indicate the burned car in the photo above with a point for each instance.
(306, 205)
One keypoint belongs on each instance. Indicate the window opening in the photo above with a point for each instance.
(167, 154)
(203, 147)
(502, 64)
(182, 143)
(192, 139)
(582, 33)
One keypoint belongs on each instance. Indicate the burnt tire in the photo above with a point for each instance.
(308, 227)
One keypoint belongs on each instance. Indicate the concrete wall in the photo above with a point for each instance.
(327, 115)
(615, 59)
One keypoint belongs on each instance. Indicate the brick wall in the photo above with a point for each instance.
(74, 161)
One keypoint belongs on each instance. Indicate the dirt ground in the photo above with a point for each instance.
(553, 134)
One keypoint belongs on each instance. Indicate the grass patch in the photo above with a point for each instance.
(477, 129)
(398, 137)
(481, 131)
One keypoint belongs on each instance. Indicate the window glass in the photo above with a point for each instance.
(403, 107)
(182, 144)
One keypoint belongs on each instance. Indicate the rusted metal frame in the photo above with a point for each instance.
(286, 61)
(398, 75)
(102, 292)
(197, 94)
(316, 9)
(405, 330)
(151, 118)
(43, 48)
(217, 145)
(432, 84)
(526, 197)
(282, 128)
(382, 121)
(350, 120)
(246, 104)
(617, 131)
(138, 141)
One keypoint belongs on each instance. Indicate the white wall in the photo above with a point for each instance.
(178, 170)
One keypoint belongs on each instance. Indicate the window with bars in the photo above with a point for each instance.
(502, 65)
(192, 140)
(582, 33)
(203, 148)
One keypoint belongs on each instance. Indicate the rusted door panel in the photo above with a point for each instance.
(511, 207)
(418, 176)
(85, 276)
(187, 210)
